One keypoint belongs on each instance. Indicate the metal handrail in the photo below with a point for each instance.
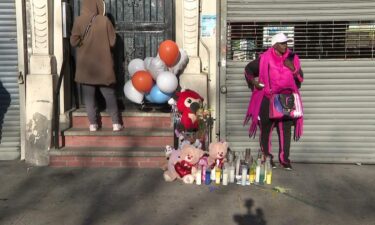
(56, 104)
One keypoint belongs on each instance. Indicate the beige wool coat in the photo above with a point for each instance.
(94, 64)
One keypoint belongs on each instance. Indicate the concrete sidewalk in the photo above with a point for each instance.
(316, 194)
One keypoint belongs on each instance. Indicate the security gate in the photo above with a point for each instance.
(335, 40)
(9, 92)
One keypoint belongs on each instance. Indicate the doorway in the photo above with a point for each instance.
(141, 26)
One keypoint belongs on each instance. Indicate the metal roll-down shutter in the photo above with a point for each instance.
(9, 91)
(338, 94)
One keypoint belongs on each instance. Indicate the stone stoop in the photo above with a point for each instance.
(141, 144)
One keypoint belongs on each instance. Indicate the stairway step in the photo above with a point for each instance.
(139, 157)
(130, 119)
(153, 131)
(132, 112)
(151, 137)
(140, 144)
(110, 152)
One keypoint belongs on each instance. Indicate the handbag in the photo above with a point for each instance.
(284, 105)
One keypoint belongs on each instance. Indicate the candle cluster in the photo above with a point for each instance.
(243, 170)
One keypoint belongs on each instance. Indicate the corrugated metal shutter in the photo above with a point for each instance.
(339, 95)
(9, 92)
(300, 10)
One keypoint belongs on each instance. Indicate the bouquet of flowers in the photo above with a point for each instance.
(191, 118)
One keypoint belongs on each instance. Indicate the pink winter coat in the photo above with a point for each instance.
(275, 76)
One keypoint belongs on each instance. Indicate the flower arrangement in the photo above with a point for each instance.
(192, 119)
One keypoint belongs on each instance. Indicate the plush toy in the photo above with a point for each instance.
(188, 104)
(187, 138)
(181, 164)
(217, 153)
(168, 151)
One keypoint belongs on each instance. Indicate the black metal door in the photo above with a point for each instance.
(141, 26)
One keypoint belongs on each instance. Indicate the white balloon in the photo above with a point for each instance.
(147, 62)
(167, 82)
(156, 67)
(135, 65)
(182, 62)
(133, 94)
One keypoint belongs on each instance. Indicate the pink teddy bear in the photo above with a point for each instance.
(182, 164)
(217, 153)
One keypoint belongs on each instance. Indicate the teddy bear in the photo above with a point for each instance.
(217, 154)
(188, 104)
(182, 164)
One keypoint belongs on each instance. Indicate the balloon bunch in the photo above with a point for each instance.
(155, 78)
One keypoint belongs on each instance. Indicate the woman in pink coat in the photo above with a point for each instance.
(280, 68)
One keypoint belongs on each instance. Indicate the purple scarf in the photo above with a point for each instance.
(268, 58)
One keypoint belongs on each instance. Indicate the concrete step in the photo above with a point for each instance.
(129, 137)
(140, 144)
(130, 119)
(136, 157)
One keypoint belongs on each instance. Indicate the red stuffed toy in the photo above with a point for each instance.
(188, 104)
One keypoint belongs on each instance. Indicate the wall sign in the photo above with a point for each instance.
(208, 25)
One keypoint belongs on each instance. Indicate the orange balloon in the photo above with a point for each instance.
(142, 81)
(169, 52)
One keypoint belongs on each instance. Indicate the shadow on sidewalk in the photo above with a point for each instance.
(249, 218)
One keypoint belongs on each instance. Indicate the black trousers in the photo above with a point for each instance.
(284, 129)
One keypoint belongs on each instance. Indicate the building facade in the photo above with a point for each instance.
(334, 39)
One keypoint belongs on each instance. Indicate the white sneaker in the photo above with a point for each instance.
(93, 127)
(117, 127)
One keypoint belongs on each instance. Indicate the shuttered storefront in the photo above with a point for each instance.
(9, 92)
(335, 40)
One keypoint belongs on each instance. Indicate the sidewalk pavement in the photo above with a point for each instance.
(316, 194)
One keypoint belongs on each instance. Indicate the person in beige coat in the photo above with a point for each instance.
(93, 35)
